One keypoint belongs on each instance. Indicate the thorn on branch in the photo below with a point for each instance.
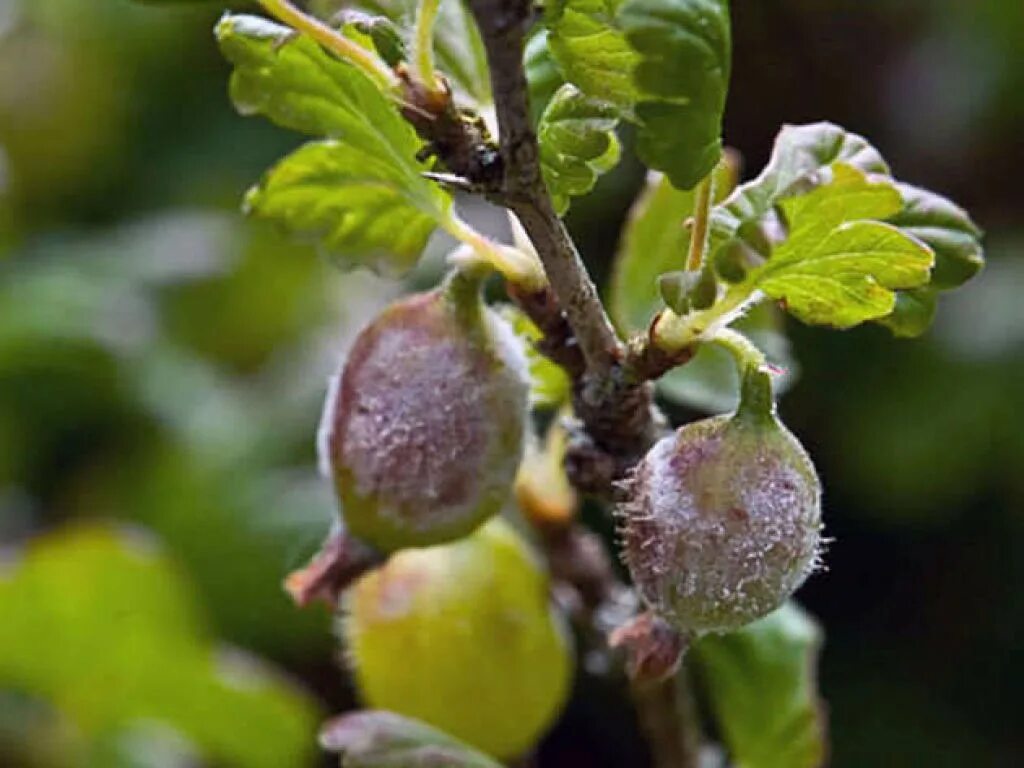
(452, 181)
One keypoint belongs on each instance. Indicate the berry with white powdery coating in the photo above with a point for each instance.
(423, 432)
(722, 520)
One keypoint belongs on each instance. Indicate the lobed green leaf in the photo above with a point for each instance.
(592, 50)
(363, 210)
(800, 154)
(684, 50)
(947, 229)
(748, 218)
(291, 80)
(361, 193)
(577, 144)
(840, 265)
(761, 682)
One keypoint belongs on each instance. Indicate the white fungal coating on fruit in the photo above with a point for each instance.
(424, 432)
(722, 522)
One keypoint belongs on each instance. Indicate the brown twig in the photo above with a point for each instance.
(612, 396)
(558, 342)
(503, 25)
(614, 407)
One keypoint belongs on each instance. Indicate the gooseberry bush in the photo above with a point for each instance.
(460, 437)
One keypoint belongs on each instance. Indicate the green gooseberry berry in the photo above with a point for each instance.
(462, 636)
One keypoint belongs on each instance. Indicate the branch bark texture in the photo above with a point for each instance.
(503, 26)
(615, 408)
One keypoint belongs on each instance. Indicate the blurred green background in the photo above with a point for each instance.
(163, 363)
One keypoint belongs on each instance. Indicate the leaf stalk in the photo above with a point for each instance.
(701, 220)
(423, 45)
(516, 265)
(366, 61)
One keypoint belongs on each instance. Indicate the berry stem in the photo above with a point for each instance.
(746, 353)
(756, 400)
(366, 61)
(342, 559)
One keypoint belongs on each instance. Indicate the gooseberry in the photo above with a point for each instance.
(462, 636)
(424, 431)
(721, 521)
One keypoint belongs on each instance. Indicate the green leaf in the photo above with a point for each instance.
(577, 143)
(361, 194)
(380, 739)
(685, 50)
(591, 50)
(101, 625)
(800, 154)
(364, 210)
(761, 682)
(840, 265)
(798, 166)
(549, 383)
(663, 63)
(913, 313)
(947, 229)
(542, 74)
(291, 80)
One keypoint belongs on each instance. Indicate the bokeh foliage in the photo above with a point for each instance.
(162, 363)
